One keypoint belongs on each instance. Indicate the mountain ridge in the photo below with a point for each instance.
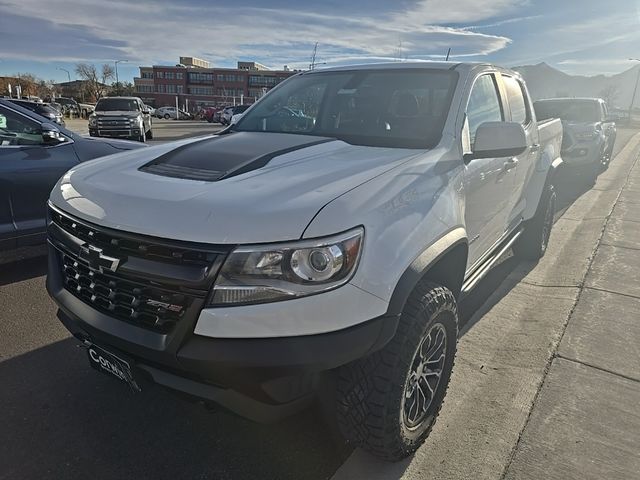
(545, 81)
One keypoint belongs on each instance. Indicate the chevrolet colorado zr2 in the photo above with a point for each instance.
(249, 268)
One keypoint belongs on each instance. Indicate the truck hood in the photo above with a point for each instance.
(245, 187)
(116, 113)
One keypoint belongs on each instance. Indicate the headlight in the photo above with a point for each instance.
(586, 135)
(93, 121)
(258, 274)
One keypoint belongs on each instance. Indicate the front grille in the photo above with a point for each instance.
(114, 123)
(148, 248)
(153, 282)
(149, 307)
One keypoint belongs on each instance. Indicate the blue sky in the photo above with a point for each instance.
(578, 36)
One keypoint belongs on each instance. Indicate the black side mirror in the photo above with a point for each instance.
(51, 134)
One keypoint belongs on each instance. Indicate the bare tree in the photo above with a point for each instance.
(609, 94)
(95, 83)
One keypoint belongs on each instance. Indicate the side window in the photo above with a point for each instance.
(484, 105)
(16, 129)
(517, 103)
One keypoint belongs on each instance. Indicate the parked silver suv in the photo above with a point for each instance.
(121, 117)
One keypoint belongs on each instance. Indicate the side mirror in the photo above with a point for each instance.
(51, 135)
(498, 139)
(145, 111)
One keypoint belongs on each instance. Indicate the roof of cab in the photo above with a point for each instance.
(431, 65)
(564, 99)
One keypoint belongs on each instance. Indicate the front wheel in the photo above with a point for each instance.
(534, 240)
(167, 116)
(388, 401)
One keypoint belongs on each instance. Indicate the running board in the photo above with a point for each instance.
(479, 274)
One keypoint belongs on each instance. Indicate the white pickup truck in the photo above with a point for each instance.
(321, 242)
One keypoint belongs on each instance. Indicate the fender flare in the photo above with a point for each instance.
(422, 264)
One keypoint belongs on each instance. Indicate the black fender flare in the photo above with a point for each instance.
(421, 266)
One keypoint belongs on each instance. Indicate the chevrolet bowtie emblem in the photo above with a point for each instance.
(98, 260)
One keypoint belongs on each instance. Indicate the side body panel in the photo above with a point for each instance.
(29, 173)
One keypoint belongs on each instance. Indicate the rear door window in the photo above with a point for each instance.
(516, 99)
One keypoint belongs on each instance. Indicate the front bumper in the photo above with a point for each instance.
(115, 133)
(263, 379)
(583, 154)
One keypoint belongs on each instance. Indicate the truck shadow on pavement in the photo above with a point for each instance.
(78, 423)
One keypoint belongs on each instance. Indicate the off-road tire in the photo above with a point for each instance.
(534, 240)
(370, 391)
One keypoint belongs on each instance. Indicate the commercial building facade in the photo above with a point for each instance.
(197, 86)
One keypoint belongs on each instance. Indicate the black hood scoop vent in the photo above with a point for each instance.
(213, 159)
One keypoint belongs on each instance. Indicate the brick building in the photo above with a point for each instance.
(196, 84)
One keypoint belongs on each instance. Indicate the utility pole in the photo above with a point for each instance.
(312, 65)
(635, 89)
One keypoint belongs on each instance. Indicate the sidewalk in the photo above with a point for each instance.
(532, 396)
(586, 421)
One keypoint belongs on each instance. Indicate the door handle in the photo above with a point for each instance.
(511, 163)
(535, 147)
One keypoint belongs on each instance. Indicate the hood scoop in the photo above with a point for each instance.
(215, 158)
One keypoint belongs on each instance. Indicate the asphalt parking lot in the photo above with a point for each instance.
(163, 130)
(60, 419)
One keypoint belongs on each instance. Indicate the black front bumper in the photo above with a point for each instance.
(261, 379)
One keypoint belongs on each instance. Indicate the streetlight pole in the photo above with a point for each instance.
(116, 64)
(635, 90)
(68, 74)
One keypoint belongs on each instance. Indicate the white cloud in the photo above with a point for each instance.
(152, 32)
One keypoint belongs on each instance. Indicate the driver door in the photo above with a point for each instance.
(29, 169)
(488, 183)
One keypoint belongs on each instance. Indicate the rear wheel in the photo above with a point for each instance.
(388, 402)
(167, 116)
(534, 240)
(150, 134)
(143, 137)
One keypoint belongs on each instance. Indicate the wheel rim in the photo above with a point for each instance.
(548, 222)
(424, 376)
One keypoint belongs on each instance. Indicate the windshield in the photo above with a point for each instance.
(114, 104)
(586, 111)
(393, 108)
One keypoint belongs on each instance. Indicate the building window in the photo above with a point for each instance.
(169, 75)
(179, 75)
(220, 77)
(200, 77)
(160, 74)
(262, 80)
(201, 90)
(180, 89)
(171, 89)
(146, 74)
